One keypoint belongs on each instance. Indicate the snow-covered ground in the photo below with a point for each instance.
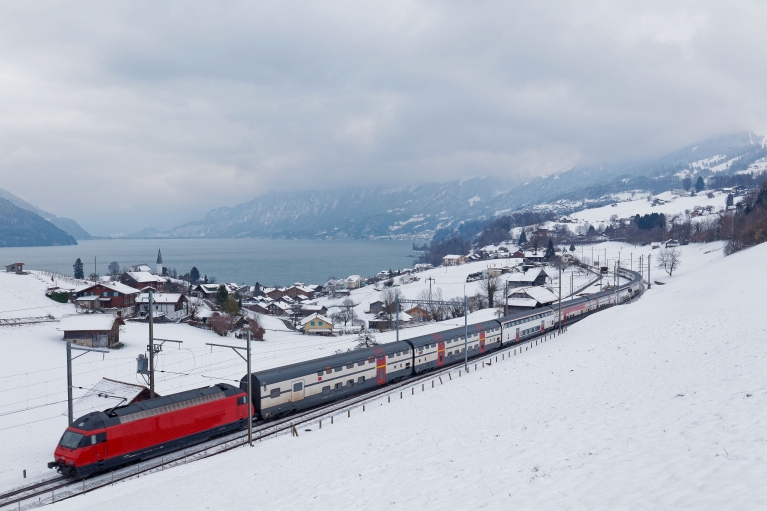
(639, 205)
(657, 404)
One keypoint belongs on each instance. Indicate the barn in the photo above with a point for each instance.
(92, 330)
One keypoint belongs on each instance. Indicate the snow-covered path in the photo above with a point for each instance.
(656, 405)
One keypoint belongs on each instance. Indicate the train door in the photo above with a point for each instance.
(440, 353)
(99, 442)
(543, 326)
(482, 341)
(517, 333)
(380, 368)
(298, 390)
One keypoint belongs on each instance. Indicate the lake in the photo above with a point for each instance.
(244, 261)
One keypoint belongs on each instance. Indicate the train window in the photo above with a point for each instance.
(320, 371)
(70, 440)
(350, 365)
(339, 386)
(361, 379)
(406, 352)
(326, 390)
(297, 387)
(274, 393)
(361, 362)
(381, 356)
(349, 383)
(337, 368)
(371, 359)
(328, 370)
(399, 353)
(391, 354)
(101, 437)
(240, 400)
(420, 348)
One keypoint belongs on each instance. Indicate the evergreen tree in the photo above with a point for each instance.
(699, 184)
(194, 275)
(549, 250)
(222, 294)
(729, 203)
(572, 247)
(687, 183)
(522, 239)
(206, 278)
(591, 232)
(79, 272)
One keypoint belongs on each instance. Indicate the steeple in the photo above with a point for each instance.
(159, 262)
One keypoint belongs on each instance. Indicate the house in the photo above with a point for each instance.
(275, 293)
(672, 243)
(453, 260)
(140, 267)
(171, 305)
(106, 295)
(532, 277)
(422, 267)
(143, 279)
(526, 298)
(534, 257)
(354, 282)
(418, 314)
(316, 324)
(517, 255)
(376, 307)
(92, 330)
(15, 268)
(206, 291)
(279, 309)
(308, 310)
(256, 306)
(299, 289)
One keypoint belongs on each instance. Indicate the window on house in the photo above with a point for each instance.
(312, 323)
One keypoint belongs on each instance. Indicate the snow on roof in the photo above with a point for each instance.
(452, 256)
(314, 317)
(537, 293)
(82, 322)
(159, 297)
(90, 298)
(353, 278)
(144, 276)
(106, 394)
(522, 302)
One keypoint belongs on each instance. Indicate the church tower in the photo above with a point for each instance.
(159, 262)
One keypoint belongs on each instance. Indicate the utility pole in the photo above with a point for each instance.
(94, 266)
(151, 344)
(506, 299)
(250, 397)
(465, 331)
(571, 284)
(396, 309)
(560, 299)
(70, 404)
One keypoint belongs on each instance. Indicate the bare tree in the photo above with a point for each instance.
(456, 308)
(490, 287)
(114, 268)
(194, 307)
(477, 302)
(366, 339)
(670, 259)
(332, 287)
(222, 324)
(255, 326)
(346, 314)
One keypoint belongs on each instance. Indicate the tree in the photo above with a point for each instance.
(591, 232)
(194, 275)
(194, 307)
(687, 183)
(255, 326)
(699, 184)
(230, 306)
(205, 280)
(346, 314)
(365, 339)
(669, 259)
(549, 250)
(729, 203)
(221, 295)
(114, 268)
(389, 299)
(522, 238)
(455, 308)
(79, 272)
(211, 279)
(222, 324)
(489, 288)
(572, 247)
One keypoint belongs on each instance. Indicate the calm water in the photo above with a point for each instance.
(267, 261)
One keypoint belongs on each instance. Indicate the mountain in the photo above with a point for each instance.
(65, 224)
(419, 211)
(22, 228)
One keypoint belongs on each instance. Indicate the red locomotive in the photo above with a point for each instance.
(104, 440)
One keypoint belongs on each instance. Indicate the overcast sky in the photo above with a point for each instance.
(150, 113)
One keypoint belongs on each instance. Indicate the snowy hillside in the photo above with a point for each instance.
(658, 405)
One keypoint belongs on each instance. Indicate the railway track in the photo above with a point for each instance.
(61, 488)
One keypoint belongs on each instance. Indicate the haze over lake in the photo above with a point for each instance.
(268, 261)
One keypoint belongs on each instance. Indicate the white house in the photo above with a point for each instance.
(171, 305)
(354, 282)
(453, 260)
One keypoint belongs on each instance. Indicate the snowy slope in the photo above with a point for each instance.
(655, 405)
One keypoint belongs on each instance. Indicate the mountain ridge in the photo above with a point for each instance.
(67, 225)
(20, 227)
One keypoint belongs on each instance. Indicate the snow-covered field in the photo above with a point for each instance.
(655, 405)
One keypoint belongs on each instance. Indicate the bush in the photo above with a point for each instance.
(222, 324)
(59, 296)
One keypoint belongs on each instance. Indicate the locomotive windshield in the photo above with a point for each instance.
(70, 440)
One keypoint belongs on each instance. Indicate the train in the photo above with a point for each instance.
(102, 441)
